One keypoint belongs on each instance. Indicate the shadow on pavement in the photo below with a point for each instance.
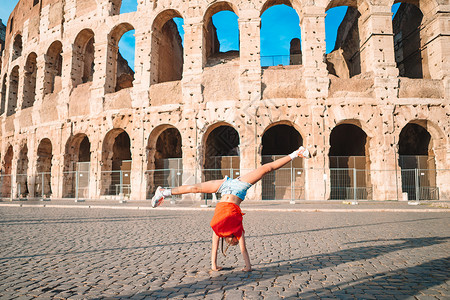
(401, 283)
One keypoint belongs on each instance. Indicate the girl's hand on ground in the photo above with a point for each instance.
(216, 268)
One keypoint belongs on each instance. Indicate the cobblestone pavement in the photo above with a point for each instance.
(78, 253)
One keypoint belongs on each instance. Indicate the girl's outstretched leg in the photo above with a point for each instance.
(205, 187)
(255, 175)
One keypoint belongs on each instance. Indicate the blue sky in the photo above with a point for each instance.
(279, 25)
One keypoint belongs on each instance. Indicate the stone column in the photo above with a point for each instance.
(377, 49)
(138, 186)
(32, 158)
(194, 62)
(103, 66)
(141, 82)
(249, 51)
(438, 45)
(315, 75)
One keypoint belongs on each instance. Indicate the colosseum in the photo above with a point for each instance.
(77, 122)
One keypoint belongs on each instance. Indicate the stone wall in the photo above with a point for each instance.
(51, 101)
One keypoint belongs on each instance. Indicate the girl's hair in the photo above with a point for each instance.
(228, 244)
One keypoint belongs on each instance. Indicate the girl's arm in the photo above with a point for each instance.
(215, 247)
(248, 266)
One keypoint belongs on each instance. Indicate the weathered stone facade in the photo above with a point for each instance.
(67, 97)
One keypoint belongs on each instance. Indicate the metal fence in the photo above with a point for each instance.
(289, 183)
(116, 183)
(281, 60)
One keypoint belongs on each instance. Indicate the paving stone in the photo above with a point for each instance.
(117, 254)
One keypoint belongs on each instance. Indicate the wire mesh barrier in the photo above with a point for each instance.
(42, 186)
(116, 183)
(281, 60)
(288, 183)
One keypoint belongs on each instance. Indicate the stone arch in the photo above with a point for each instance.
(29, 87)
(409, 40)
(44, 168)
(349, 162)
(17, 47)
(53, 68)
(167, 50)
(83, 57)
(21, 172)
(287, 36)
(3, 96)
(211, 45)
(164, 158)
(344, 61)
(280, 139)
(13, 91)
(117, 7)
(7, 172)
(221, 152)
(417, 162)
(119, 75)
(77, 157)
(116, 163)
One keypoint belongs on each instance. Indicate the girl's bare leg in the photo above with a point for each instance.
(205, 187)
(255, 175)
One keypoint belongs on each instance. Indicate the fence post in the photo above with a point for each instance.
(354, 183)
(76, 185)
(292, 186)
(416, 173)
(42, 187)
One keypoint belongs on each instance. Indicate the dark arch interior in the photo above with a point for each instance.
(348, 140)
(407, 41)
(121, 150)
(222, 141)
(85, 150)
(168, 144)
(281, 140)
(414, 140)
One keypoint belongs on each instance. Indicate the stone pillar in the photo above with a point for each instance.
(31, 171)
(249, 51)
(377, 49)
(317, 173)
(138, 187)
(57, 174)
(104, 64)
(95, 170)
(193, 62)
(141, 82)
(315, 76)
(438, 45)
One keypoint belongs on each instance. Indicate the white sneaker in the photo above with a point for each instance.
(303, 152)
(158, 198)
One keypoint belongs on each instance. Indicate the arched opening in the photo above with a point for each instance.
(164, 164)
(349, 164)
(221, 156)
(121, 45)
(3, 99)
(417, 163)
(83, 57)
(13, 91)
(29, 88)
(44, 169)
(77, 159)
(167, 47)
(288, 182)
(116, 164)
(221, 33)
(342, 39)
(53, 68)
(6, 173)
(17, 47)
(409, 43)
(21, 174)
(280, 35)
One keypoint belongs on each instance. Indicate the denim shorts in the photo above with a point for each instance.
(234, 187)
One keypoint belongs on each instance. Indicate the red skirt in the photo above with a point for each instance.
(227, 220)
